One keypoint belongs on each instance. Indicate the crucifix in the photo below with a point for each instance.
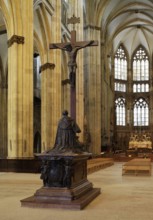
(72, 48)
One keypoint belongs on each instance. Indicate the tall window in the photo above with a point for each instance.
(120, 78)
(37, 76)
(138, 83)
(141, 113)
(120, 87)
(120, 64)
(144, 87)
(120, 111)
(141, 84)
(140, 65)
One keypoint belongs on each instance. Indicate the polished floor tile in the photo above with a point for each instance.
(123, 197)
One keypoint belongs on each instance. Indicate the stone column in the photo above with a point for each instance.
(92, 85)
(47, 71)
(20, 82)
(51, 84)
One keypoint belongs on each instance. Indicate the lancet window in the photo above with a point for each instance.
(141, 112)
(140, 71)
(120, 64)
(140, 66)
(120, 111)
(120, 84)
(129, 86)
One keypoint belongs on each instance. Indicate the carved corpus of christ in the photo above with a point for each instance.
(72, 48)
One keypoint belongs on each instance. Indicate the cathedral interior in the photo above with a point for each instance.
(114, 80)
(110, 97)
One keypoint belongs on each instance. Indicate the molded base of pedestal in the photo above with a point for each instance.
(65, 183)
(48, 202)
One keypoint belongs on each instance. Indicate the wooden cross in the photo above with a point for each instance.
(73, 20)
(72, 48)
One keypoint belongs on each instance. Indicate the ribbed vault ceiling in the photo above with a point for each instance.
(129, 22)
(122, 21)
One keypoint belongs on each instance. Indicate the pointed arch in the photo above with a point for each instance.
(120, 62)
(7, 15)
(138, 48)
(140, 64)
(42, 29)
(141, 112)
(120, 104)
(17, 16)
(123, 48)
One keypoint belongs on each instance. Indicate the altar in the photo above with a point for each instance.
(140, 141)
(140, 144)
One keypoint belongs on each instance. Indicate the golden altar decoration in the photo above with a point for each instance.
(140, 141)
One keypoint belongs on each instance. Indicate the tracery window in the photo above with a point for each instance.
(120, 64)
(139, 83)
(140, 65)
(120, 111)
(141, 113)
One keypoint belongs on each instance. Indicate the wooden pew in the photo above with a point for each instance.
(137, 166)
(94, 165)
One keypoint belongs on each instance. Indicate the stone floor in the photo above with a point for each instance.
(122, 197)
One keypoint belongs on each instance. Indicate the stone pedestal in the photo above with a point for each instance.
(65, 183)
